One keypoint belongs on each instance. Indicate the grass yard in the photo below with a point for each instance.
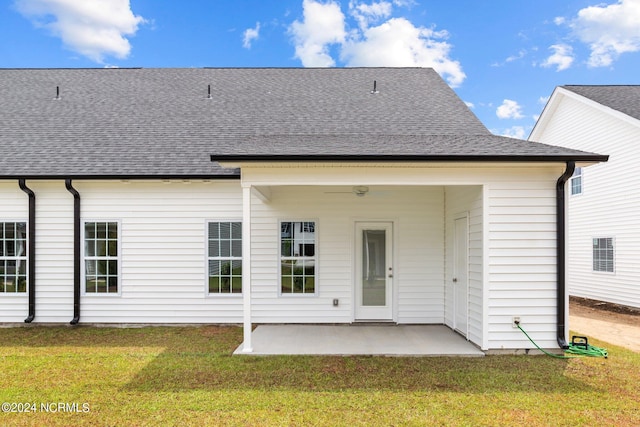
(179, 376)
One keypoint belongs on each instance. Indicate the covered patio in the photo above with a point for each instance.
(355, 339)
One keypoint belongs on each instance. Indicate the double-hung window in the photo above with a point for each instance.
(298, 257)
(603, 259)
(225, 257)
(101, 257)
(576, 182)
(13, 257)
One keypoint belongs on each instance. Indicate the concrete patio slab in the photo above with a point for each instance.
(343, 340)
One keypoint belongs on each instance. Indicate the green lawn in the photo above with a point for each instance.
(187, 376)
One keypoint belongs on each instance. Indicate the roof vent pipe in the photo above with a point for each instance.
(57, 98)
(375, 87)
(209, 92)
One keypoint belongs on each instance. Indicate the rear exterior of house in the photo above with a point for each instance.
(274, 196)
(604, 230)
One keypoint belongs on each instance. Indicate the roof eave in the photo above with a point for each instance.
(588, 157)
(111, 177)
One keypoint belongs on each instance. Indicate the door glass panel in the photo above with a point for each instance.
(373, 268)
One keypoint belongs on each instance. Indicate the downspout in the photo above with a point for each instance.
(561, 253)
(76, 251)
(31, 267)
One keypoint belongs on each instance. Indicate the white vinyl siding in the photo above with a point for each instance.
(164, 260)
(164, 236)
(417, 215)
(54, 252)
(162, 240)
(610, 202)
(512, 263)
(522, 259)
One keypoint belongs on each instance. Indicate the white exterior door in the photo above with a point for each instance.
(460, 276)
(374, 271)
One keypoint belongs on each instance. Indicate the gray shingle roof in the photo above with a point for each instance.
(624, 98)
(161, 123)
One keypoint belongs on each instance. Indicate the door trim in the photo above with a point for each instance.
(376, 313)
(456, 286)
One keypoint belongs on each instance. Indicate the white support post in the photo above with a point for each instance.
(246, 268)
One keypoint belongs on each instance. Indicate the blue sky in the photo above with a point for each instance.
(502, 57)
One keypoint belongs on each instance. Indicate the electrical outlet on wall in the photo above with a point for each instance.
(516, 321)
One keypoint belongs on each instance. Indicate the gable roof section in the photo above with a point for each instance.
(129, 123)
(623, 98)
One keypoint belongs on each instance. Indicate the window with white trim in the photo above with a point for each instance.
(13, 257)
(603, 255)
(576, 181)
(224, 257)
(297, 257)
(101, 257)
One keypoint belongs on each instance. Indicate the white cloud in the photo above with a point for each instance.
(509, 110)
(514, 132)
(521, 54)
(396, 42)
(95, 29)
(366, 14)
(249, 35)
(469, 104)
(609, 30)
(562, 57)
(322, 26)
(543, 100)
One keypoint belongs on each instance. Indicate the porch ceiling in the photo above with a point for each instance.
(343, 340)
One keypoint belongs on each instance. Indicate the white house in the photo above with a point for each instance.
(604, 202)
(275, 196)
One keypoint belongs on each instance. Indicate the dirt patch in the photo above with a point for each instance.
(612, 323)
(606, 311)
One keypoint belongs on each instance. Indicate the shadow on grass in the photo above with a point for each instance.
(199, 358)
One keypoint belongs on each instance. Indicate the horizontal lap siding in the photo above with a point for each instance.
(420, 251)
(54, 250)
(163, 250)
(418, 262)
(609, 204)
(522, 259)
(14, 206)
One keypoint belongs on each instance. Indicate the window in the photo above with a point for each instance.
(13, 257)
(603, 254)
(101, 257)
(225, 257)
(297, 257)
(576, 182)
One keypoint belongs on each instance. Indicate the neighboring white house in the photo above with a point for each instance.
(275, 196)
(604, 202)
